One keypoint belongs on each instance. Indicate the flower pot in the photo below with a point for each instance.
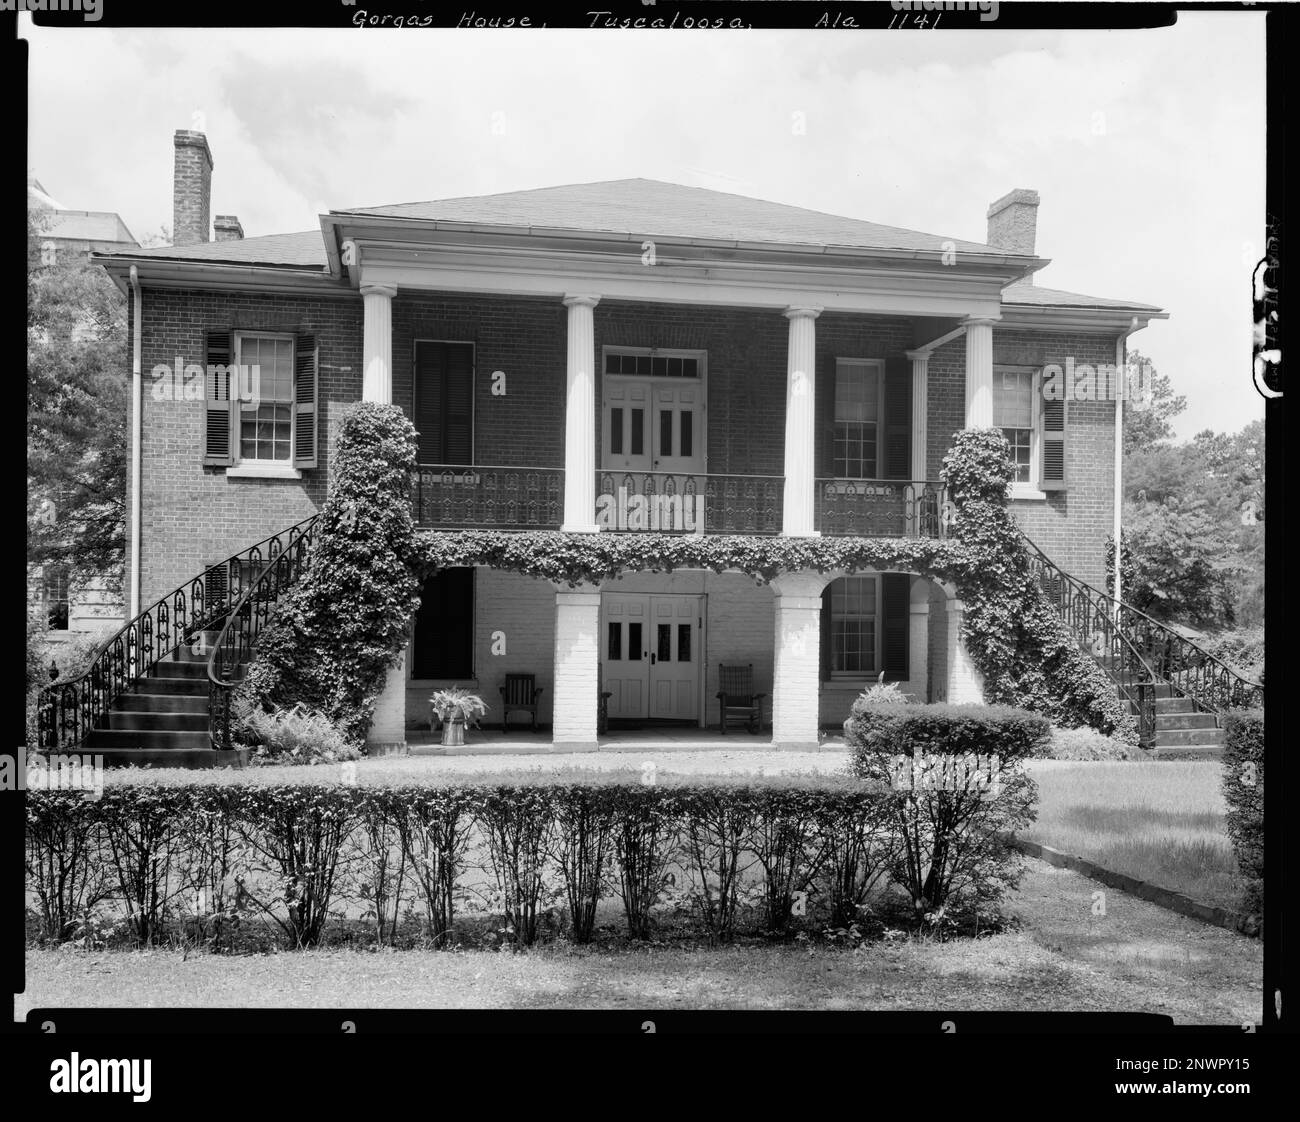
(453, 731)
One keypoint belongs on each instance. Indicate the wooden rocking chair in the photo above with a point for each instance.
(736, 697)
(519, 694)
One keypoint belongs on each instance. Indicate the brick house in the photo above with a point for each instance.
(617, 357)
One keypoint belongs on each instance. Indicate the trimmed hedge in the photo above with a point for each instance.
(202, 858)
(958, 785)
(1243, 790)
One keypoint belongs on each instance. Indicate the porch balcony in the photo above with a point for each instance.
(448, 496)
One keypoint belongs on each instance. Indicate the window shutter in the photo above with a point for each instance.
(458, 406)
(1053, 473)
(825, 634)
(428, 398)
(306, 363)
(897, 460)
(444, 403)
(895, 595)
(218, 419)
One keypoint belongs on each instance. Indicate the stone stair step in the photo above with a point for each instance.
(181, 669)
(142, 720)
(1175, 705)
(163, 702)
(102, 740)
(207, 757)
(1186, 721)
(1166, 738)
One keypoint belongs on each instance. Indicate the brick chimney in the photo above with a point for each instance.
(227, 227)
(191, 189)
(1013, 222)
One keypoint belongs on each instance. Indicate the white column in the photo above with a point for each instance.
(800, 422)
(965, 682)
(920, 377)
(377, 343)
(389, 723)
(796, 685)
(580, 418)
(979, 373)
(577, 665)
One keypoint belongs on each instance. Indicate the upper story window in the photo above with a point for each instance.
(444, 402)
(260, 402)
(859, 389)
(54, 596)
(1013, 413)
(266, 421)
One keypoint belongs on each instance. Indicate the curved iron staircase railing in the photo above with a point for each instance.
(234, 645)
(1140, 652)
(69, 710)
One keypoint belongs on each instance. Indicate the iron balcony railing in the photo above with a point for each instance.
(68, 710)
(499, 498)
(248, 616)
(1140, 652)
(882, 508)
(675, 502)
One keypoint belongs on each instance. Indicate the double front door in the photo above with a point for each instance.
(652, 655)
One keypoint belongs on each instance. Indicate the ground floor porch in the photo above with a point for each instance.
(640, 660)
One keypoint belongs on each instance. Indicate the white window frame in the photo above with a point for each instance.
(255, 468)
(1030, 488)
(877, 655)
(878, 365)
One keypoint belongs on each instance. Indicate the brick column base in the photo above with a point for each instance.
(796, 684)
(577, 666)
(389, 724)
(965, 682)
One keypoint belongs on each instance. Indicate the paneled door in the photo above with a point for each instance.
(651, 655)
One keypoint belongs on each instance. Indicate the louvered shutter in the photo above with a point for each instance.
(896, 463)
(1053, 473)
(444, 403)
(825, 649)
(458, 405)
(895, 595)
(306, 364)
(218, 420)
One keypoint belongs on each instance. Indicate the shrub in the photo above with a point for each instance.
(1243, 790)
(1086, 744)
(331, 641)
(883, 693)
(293, 736)
(585, 817)
(961, 787)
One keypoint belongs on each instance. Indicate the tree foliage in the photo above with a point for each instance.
(77, 399)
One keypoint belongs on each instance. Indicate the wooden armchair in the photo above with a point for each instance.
(736, 697)
(519, 694)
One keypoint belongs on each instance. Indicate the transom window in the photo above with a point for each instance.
(1013, 413)
(651, 364)
(858, 388)
(266, 422)
(855, 634)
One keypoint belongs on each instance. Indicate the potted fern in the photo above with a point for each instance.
(455, 708)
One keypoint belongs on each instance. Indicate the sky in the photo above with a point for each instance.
(1146, 147)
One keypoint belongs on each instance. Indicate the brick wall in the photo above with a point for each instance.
(194, 515)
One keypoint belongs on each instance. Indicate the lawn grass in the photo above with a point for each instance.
(1136, 957)
(1159, 822)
